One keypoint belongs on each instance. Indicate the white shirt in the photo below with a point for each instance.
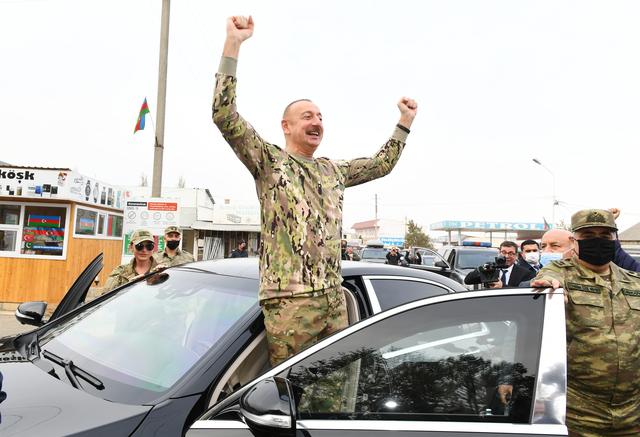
(508, 274)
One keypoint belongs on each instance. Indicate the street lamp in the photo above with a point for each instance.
(555, 202)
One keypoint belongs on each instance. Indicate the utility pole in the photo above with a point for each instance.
(156, 185)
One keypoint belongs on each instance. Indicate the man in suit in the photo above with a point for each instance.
(530, 256)
(511, 275)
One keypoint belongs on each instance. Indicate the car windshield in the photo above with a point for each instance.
(374, 253)
(472, 260)
(143, 339)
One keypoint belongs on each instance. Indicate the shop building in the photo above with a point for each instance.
(53, 223)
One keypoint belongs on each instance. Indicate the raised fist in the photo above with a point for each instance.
(239, 28)
(408, 110)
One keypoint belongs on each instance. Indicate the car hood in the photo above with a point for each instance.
(374, 260)
(36, 403)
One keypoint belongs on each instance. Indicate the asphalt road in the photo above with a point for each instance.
(9, 325)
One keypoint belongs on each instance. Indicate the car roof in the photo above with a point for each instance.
(248, 268)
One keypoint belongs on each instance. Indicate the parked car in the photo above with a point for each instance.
(426, 368)
(150, 357)
(464, 259)
(376, 255)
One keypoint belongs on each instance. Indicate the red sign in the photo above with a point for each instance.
(162, 206)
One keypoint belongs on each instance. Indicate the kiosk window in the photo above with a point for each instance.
(86, 222)
(43, 231)
(92, 223)
(114, 226)
(9, 215)
(8, 240)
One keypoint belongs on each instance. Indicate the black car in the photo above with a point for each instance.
(149, 358)
(483, 363)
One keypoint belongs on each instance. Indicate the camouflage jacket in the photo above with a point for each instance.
(300, 199)
(123, 274)
(182, 257)
(603, 329)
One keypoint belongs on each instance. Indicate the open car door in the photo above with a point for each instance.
(78, 291)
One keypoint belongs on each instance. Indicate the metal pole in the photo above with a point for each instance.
(553, 193)
(156, 186)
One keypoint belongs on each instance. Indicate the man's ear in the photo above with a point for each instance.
(285, 127)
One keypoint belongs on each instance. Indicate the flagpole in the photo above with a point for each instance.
(156, 186)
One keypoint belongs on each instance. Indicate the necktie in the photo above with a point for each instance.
(504, 278)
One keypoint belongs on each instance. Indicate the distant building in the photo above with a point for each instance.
(390, 232)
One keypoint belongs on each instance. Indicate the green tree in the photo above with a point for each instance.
(416, 237)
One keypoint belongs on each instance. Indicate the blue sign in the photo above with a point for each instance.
(448, 225)
(392, 241)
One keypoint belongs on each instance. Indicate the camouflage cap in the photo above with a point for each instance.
(140, 235)
(172, 229)
(591, 218)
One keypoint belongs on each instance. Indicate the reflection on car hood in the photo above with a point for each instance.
(54, 407)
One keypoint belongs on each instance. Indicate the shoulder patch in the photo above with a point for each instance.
(632, 273)
(563, 263)
(584, 287)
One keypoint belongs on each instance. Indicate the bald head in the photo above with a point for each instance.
(285, 114)
(557, 241)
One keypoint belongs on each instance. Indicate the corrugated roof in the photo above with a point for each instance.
(631, 234)
(4, 164)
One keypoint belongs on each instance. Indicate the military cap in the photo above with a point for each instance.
(590, 218)
(141, 235)
(172, 229)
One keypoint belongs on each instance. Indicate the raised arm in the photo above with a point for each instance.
(240, 135)
(361, 170)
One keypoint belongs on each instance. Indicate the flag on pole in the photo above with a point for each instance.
(546, 224)
(144, 109)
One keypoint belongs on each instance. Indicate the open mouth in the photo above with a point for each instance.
(314, 133)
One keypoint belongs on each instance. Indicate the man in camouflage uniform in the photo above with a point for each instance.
(301, 207)
(603, 326)
(142, 245)
(172, 255)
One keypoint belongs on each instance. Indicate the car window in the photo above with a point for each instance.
(446, 361)
(471, 260)
(394, 292)
(374, 253)
(144, 338)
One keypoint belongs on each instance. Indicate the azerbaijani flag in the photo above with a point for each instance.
(44, 221)
(144, 109)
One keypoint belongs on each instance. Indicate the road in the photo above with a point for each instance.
(9, 325)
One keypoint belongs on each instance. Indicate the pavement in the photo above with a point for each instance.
(9, 325)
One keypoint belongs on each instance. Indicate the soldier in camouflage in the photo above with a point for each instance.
(603, 322)
(172, 255)
(301, 207)
(142, 245)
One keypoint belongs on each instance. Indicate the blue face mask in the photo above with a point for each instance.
(547, 257)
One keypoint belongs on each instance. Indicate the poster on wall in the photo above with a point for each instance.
(153, 214)
(58, 184)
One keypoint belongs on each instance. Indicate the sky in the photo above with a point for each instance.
(498, 83)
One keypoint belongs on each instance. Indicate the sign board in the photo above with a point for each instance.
(153, 214)
(58, 184)
(448, 225)
(392, 241)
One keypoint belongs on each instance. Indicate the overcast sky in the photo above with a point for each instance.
(497, 82)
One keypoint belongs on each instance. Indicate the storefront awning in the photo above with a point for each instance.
(233, 227)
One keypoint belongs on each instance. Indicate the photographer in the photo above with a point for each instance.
(501, 273)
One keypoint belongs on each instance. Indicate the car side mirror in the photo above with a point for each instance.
(31, 313)
(269, 407)
(441, 264)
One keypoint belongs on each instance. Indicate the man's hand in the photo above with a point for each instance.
(505, 390)
(497, 284)
(615, 212)
(408, 110)
(541, 284)
(239, 29)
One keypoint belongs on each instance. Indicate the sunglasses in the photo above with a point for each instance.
(145, 245)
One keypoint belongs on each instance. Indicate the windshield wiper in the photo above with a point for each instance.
(72, 371)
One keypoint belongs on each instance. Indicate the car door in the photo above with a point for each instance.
(473, 364)
(78, 291)
(385, 292)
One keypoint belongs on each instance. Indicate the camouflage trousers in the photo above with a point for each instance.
(588, 416)
(295, 323)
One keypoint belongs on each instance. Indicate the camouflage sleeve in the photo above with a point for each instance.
(243, 139)
(549, 272)
(361, 170)
(114, 280)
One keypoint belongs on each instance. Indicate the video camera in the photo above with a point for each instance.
(489, 272)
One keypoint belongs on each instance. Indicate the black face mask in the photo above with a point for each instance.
(596, 251)
(173, 244)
